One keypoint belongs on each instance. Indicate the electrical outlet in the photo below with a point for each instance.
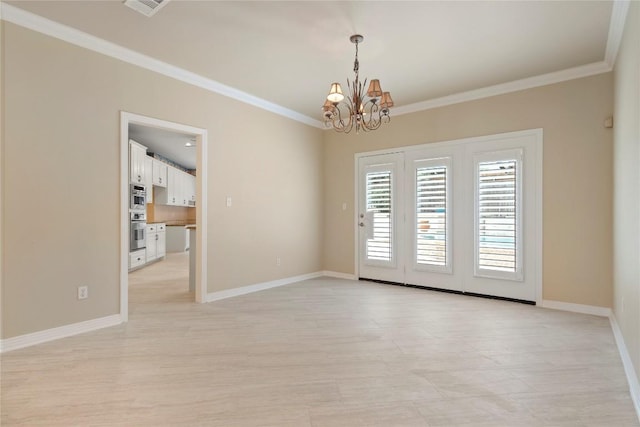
(278, 261)
(83, 292)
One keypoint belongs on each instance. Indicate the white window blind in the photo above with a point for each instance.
(497, 216)
(379, 209)
(431, 215)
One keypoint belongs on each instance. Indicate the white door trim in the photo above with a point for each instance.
(536, 133)
(201, 197)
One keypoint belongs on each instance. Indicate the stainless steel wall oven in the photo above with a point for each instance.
(138, 212)
(137, 198)
(137, 231)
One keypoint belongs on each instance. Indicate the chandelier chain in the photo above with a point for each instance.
(356, 63)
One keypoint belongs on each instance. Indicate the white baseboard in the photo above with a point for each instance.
(339, 275)
(577, 308)
(230, 293)
(40, 337)
(630, 372)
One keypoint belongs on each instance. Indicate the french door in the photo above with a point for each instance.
(380, 218)
(461, 216)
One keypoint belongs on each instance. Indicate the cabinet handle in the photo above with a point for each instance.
(157, 237)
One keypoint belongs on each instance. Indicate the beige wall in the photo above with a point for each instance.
(61, 181)
(577, 171)
(287, 180)
(626, 249)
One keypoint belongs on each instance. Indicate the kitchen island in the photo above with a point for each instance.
(177, 238)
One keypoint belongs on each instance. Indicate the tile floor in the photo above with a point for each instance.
(324, 352)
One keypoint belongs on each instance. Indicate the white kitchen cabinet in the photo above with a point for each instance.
(148, 166)
(180, 189)
(161, 241)
(191, 190)
(159, 173)
(185, 196)
(152, 244)
(177, 184)
(137, 258)
(137, 164)
(156, 241)
(169, 194)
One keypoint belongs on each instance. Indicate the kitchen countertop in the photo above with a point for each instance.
(180, 223)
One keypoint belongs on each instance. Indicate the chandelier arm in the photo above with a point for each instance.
(339, 122)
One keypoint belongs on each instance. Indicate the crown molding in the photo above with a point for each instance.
(616, 28)
(71, 35)
(54, 29)
(500, 89)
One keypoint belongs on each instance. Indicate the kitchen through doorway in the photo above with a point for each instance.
(164, 177)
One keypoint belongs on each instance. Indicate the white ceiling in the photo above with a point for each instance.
(169, 144)
(288, 52)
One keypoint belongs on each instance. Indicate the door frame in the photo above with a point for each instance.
(537, 134)
(127, 118)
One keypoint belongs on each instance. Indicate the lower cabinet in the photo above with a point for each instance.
(156, 247)
(161, 241)
(137, 258)
(156, 241)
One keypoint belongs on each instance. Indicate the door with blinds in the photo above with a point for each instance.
(432, 228)
(505, 216)
(379, 217)
(461, 216)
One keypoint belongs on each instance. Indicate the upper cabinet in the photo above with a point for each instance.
(180, 189)
(148, 167)
(137, 162)
(190, 189)
(159, 173)
(171, 193)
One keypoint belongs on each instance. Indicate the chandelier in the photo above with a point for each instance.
(357, 110)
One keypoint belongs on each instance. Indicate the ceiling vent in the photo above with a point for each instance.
(146, 7)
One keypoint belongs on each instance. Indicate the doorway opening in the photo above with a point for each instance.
(154, 235)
